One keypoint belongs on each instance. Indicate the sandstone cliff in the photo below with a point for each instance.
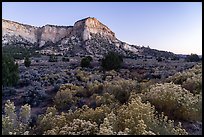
(87, 36)
(39, 35)
(11, 28)
(83, 29)
(88, 26)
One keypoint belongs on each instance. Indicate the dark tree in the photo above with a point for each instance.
(65, 59)
(52, 58)
(112, 61)
(10, 73)
(86, 61)
(192, 58)
(27, 62)
(159, 59)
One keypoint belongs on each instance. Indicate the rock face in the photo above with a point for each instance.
(94, 26)
(31, 34)
(53, 33)
(83, 28)
(87, 36)
(88, 26)
(11, 29)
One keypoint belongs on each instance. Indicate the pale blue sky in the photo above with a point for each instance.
(169, 26)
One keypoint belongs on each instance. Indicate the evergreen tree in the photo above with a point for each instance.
(27, 62)
(10, 73)
(86, 61)
(112, 61)
(192, 58)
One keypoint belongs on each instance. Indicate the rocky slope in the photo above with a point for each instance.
(87, 36)
(13, 32)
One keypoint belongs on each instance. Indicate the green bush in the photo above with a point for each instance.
(112, 61)
(27, 62)
(52, 58)
(10, 74)
(159, 59)
(85, 62)
(17, 51)
(65, 59)
(192, 58)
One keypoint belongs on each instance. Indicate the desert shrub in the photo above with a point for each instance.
(175, 101)
(140, 119)
(192, 58)
(33, 96)
(65, 59)
(121, 89)
(110, 75)
(159, 59)
(83, 121)
(10, 72)
(178, 78)
(85, 62)
(52, 58)
(94, 115)
(49, 121)
(109, 125)
(13, 124)
(190, 79)
(91, 88)
(106, 99)
(27, 62)
(65, 97)
(175, 57)
(82, 75)
(112, 61)
(77, 127)
(89, 58)
(193, 84)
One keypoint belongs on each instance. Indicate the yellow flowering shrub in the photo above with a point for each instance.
(106, 99)
(49, 120)
(135, 118)
(91, 88)
(140, 119)
(121, 107)
(85, 119)
(82, 75)
(121, 89)
(94, 115)
(193, 84)
(12, 124)
(175, 101)
(77, 127)
(65, 97)
(190, 79)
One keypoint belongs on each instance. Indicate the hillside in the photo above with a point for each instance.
(87, 37)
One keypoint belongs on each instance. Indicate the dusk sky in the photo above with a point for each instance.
(169, 26)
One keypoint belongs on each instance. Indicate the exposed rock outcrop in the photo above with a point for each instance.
(87, 36)
(40, 35)
(11, 28)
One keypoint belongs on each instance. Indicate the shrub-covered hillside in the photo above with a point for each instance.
(114, 106)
